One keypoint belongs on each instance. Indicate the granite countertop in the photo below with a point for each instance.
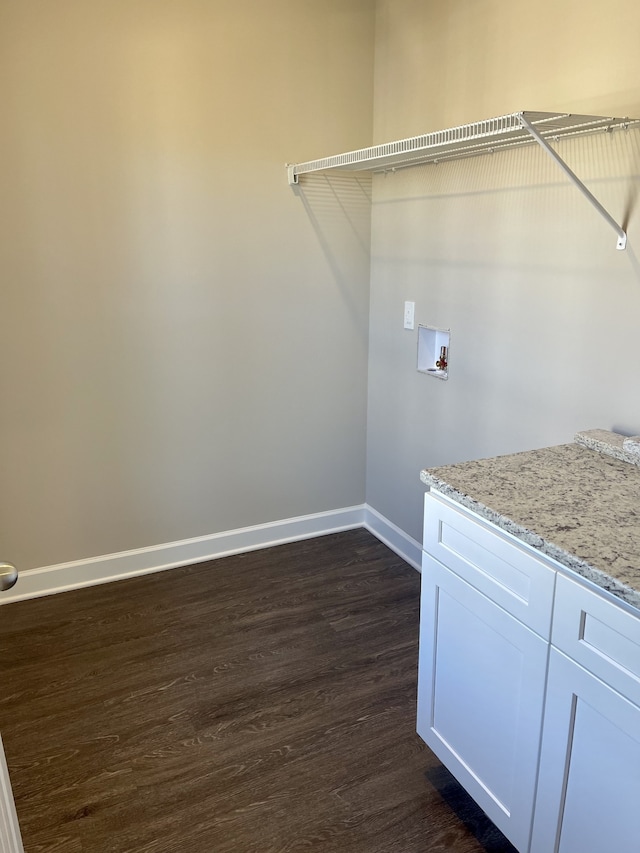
(578, 503)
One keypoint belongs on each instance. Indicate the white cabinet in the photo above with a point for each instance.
(482, 665)
(539, 720)
(589, 785)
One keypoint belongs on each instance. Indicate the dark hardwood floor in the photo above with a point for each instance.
(261, 702)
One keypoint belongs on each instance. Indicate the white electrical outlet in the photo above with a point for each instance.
(409, 315)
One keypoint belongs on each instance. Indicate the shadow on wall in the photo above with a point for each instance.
(508, 254)
(534, 211)
(631, 200)
(339, 210)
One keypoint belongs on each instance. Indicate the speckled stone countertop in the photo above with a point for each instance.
(578, 503)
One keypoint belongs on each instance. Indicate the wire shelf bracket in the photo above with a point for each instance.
(469, 140)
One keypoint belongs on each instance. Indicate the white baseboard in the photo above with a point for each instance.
(393, 537)
(34, 583)
(48, 580)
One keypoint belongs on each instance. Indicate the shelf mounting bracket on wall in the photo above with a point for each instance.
(469, 140)
(542, 142)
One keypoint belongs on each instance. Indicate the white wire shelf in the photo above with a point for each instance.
(466, 140)
(469, 140)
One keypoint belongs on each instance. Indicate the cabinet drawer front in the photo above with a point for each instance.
(599, 634)
(481, 554)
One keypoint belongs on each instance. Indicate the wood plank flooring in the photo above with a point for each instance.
(261, 702)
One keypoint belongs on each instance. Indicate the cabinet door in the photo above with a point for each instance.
(481, 685)
(589, 786)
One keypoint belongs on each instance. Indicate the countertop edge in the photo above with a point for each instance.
(534, 540)
(607, 442)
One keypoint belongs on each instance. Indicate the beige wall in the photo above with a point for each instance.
(184, 338)
(503, 250)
